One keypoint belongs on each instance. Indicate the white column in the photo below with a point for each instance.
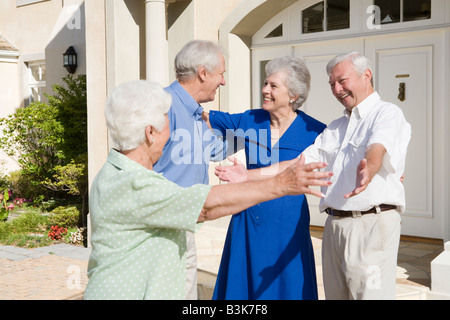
(440, 276)
(156, 42)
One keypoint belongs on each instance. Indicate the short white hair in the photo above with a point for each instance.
(297, 77)
(133, 106)
(195, 54)
(360, 62)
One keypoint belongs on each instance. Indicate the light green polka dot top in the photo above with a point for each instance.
(139, 221)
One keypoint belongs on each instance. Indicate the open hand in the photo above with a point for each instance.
(308, 175)
(234, 173)
(363, 179)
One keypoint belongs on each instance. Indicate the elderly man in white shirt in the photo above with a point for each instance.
(366, 151)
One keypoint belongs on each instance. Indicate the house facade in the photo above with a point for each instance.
(408, 42)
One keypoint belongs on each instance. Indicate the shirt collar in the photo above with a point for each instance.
(364, 107)
(192, 106)
(122, 162)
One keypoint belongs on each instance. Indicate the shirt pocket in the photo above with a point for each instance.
(328, 150)
(357, 147)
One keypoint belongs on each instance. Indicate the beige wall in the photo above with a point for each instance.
(10, 98)
(29, 27)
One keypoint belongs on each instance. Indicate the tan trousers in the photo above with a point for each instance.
(191, 267)
(359, 256)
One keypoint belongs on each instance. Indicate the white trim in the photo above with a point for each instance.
(291, 18)
(21, 3)
(9, 56)
(283, 18)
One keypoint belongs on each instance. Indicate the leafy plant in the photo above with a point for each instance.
(65, 217)
(71, 178)
(57, 233)
(34, 134)
(50, 141)
(71, 102)
(4, 210)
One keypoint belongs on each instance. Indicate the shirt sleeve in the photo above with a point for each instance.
(214, 144)
(161, 203)
(224, 121)
(226, 125)
(392, 131)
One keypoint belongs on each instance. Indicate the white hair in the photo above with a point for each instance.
(360, 62)
(133, 106)
(195, 54)
(297, 77)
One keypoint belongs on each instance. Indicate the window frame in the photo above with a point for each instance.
(291, 18)
(32, 84)
(22, 3)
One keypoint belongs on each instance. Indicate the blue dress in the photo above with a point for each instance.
(268, 252)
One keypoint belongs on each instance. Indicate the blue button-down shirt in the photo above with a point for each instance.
(192, 145)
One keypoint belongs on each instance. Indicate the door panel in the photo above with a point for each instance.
(410, 69)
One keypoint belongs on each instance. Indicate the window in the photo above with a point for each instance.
(275, 33)
(21, 3)
(262, 73)
(36, 82)
(327, 15)
(393, 11)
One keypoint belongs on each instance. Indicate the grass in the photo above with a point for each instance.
(28, 227)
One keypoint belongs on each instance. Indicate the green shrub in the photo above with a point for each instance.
(66, 217)
(30, 222)
(25, 231)
(50, 141)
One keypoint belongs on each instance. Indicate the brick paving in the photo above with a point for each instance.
(59, 272)
(48, 273)
(50, 278)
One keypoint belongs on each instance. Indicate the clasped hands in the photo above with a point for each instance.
(303, 175)
(237, 172)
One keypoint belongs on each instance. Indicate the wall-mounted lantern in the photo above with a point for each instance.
(70, 60)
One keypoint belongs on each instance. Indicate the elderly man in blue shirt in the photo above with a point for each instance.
(199, 67)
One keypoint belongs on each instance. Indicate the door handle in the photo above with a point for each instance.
(402, 91)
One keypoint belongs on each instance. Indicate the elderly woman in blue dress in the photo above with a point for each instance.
(268, 252)
(139, 218)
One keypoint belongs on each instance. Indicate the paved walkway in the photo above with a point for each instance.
(58, 272)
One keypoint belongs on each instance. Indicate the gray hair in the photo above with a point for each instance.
(195, 54)
(297, 77)
(133, 106)
(360, 62)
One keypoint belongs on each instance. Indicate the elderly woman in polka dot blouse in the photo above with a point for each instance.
(139, 218)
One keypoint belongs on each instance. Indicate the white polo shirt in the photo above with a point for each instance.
(343, 144)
